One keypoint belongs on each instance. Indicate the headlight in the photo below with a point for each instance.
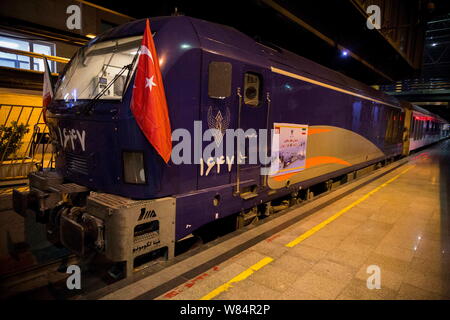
(133, 167)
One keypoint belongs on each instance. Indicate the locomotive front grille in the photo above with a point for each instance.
(76, 163)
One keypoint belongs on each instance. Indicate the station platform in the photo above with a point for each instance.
(398, 223)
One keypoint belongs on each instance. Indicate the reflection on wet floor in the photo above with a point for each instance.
(23, 242)
(403, 228)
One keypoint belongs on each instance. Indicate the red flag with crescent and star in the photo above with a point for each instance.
(148, 102)
(47, 90)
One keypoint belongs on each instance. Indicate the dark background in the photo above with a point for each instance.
(377, 62)
(336, 19)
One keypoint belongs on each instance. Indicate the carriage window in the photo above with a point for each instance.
(416, 128)
(395, 122)
(219, 80)
(252, 86)
(423, 129)
(389, 127)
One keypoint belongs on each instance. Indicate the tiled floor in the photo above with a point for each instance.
(403, 228)
(23, 242)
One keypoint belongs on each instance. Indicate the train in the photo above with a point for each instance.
(111, 193)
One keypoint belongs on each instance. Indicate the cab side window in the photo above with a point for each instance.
(219, 79)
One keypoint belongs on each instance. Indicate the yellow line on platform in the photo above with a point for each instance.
(241, 276)
(263, 262)
(321, 225)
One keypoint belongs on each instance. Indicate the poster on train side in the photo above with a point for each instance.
(289, 148)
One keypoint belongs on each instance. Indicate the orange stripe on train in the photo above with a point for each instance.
(317, 130)
(313, 162)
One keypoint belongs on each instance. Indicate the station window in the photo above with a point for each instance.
(252, 89)
(19, 61)
(219, 79)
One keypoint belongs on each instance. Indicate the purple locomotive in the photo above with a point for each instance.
(111, 192)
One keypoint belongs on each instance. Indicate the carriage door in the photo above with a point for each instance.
(217, 111)
(254, 110)
(233, 95)
(407, 116)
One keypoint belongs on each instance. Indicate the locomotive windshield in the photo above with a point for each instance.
(94, 67)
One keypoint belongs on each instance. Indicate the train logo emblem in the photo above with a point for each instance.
(218, 122)
(146, 214)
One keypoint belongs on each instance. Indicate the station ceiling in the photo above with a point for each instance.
(316, 30)
(338, 20)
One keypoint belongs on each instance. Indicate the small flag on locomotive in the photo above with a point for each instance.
(148, 103)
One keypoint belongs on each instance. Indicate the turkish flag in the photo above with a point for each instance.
(148, 102)
(47, 90)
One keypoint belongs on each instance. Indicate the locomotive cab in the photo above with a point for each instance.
(112, 193)
(106, 194)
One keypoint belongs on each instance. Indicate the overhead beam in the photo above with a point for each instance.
(96, 6)
(272, 4)
(34, 55)
(388, 40)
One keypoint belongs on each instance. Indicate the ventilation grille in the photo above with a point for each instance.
(76, 163)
